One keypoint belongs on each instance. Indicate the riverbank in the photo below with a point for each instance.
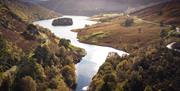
(151, 66)
(32, 58)
(147, 44)
(143, 31)
(114, 34)
(113, 25)
(96, 55)
(149, 69)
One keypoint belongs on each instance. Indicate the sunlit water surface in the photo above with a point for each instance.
(96, 55)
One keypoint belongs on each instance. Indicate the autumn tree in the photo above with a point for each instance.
(129, 22)
(69, 75)
(42, 54)
(148, 88)
(64, 42)
(2, 46)
(27, 84)
(109, 82)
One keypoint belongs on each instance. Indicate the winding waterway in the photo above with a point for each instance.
(96, 55)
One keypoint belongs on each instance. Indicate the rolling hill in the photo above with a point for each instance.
(92, 7)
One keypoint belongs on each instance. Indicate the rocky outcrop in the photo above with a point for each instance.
(62, 22)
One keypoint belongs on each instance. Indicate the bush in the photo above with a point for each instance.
(174, 34)
(163, 33)
(27, 84)
(68, 60)
(109, 82)
(31, 27)
(160, 13)
(26, 69)
(62, 52)
(69, 76)
(148, 88)
(129, 22)
(2, 46)
(30, 33)
(57, 84)
(135, 82)
(105, 68)
(39, 71)
(110, 77)
(42, 54)
(64, 42)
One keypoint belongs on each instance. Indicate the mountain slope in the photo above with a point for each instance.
(168, 12)
(151, 66)
(151, 69)
(113, 32)
(29, 11)
(32, 58)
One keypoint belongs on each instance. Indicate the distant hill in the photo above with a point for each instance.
(29, 11)
(168, 12)
(147, 19)
(92, 7)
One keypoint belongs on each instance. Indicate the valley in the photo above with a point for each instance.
(125, 45)
(144, 34)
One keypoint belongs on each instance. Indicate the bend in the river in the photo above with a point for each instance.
(96, 55)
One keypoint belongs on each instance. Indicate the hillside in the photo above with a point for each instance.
(168, 12)
(29, 11)
(84, 7)
(115, 31)
(152, 69)
(32, 58)
(144, 34)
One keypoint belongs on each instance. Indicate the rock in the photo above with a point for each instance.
(62, 22)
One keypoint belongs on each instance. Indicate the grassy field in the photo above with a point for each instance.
(143, 32)
(116, 35)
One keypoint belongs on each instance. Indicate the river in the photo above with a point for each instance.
(96, 55)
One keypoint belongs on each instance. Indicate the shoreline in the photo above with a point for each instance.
(113, 35)
(96, 55)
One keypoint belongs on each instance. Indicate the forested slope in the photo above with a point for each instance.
(32, 58)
